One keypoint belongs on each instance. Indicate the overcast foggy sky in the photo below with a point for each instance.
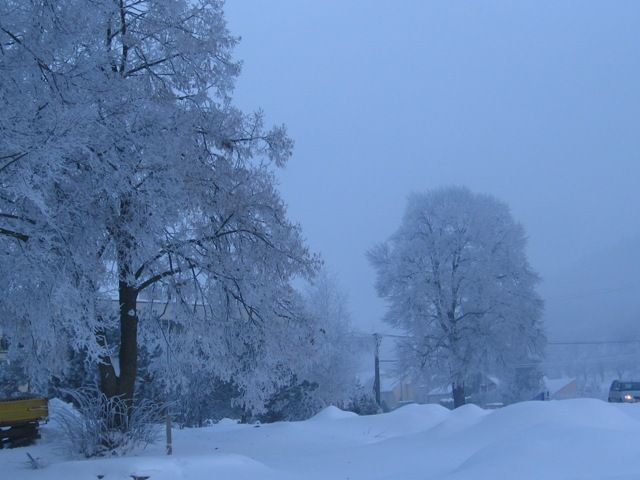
(537, 103)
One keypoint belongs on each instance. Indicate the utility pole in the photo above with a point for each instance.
(377, 338)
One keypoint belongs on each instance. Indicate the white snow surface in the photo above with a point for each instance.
(568, 439)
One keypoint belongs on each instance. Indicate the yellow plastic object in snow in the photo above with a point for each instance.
(22, 410)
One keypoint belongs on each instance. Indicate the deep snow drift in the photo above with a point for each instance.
(571, 439)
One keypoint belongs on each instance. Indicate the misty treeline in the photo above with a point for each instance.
(143, 243)
(145, 249)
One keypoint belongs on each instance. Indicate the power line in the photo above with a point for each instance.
(593, 293)
(553, 343)
(595, 342)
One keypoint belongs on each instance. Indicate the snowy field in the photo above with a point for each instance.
(571, 439)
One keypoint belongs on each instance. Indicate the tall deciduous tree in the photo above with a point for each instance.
(333, 356)
(456, 278)
(128, 172)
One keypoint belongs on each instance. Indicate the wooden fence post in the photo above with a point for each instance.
(169, 442)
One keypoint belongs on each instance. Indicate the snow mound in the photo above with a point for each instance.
(577, 413)
(414, 418)
(460, 419)
(421, 410)
(557, 440)
(332, 413)
(581, 438)
(57, 407)
(238, 467)
(469, 412)
(227, 422)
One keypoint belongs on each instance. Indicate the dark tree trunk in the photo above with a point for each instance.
(114, 383)
(458, 395)
(128, 297)
(122, 384)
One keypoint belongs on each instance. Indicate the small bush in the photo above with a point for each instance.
(101, 425)
(291, 403)
(362, 404)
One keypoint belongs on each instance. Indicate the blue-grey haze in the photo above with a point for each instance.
(536, 102)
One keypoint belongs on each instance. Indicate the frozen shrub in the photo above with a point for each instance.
(101, 425)
(362, 403)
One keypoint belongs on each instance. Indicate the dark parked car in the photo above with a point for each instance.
(623, 391)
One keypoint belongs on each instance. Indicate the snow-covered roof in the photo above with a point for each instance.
(554, 385)
(443, 390)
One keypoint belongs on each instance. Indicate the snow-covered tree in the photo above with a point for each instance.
(456, 278)
(47, 253)
(333, 355)
(317, 363)
(325, 363)
(128, 173)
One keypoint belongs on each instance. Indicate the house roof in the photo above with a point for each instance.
(554, 385)
(443, 390)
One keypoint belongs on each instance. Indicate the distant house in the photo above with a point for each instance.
(395, 393)
(560, 388)
(441, 395)
(481, 389)
(397, 388)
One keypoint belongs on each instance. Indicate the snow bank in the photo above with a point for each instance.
(582, 439)
(585, 439)
(332, 413)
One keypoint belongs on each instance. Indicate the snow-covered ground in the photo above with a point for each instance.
(570, 439)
